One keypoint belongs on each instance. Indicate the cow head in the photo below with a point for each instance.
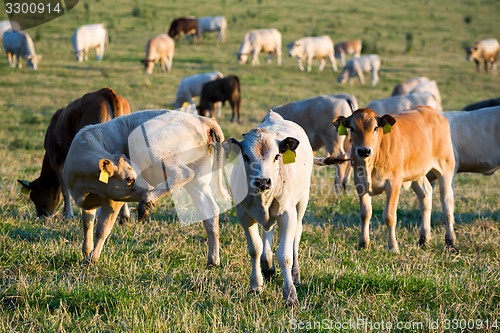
(148, 65)
(118, 174)
(32, 61)
(295, 49)
(79, 55)
(344, 75)
(366, 129)
(45, 196)
(472, 52)
(262, 156)
(242, 57)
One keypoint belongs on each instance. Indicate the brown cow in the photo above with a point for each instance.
(221, 90)
(92, 108)
(484, 51)
(350, 47)
(184, 25)
(391, 151)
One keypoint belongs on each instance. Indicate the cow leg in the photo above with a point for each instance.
(278, 55)
(486, 66)
(105, 222)
(255, 247)
(12, 59)
(322, 63)
(124, 215)
(99, 52)
(494, 67)
(209, 211)
(169, 64)
(365, 205)
(88, 217)
(19, 61)
(477, 65)
(162, 64)
(179, 176)
(270, 57)
(448, 203)
(309, 63)
(235, 108)
(68, 209)
(219, 108)
(333, 61)
(255, 58)
(287, 224)
(301, 210)
(342, 58)
(374, 77)
(423, 190)
(299, 64)
(266, 259)
(390, 214)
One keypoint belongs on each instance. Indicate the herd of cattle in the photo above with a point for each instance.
(404, 140)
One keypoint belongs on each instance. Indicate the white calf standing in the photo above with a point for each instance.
(309, 48)
(256, 41)
(356, 66)
(89, 37)
(213, 23)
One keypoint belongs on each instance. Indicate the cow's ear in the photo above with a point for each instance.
(26, 186)
(288, 143)
(341, 121)
(232, 148)
(386, 122)
(107, 166)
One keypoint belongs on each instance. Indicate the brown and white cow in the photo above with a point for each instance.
(184, 25)
(393, 151)
(485, 51)
(270, 185)
(221, 90)
(350, 47)
(159, 48)
(143, 157)
(92, 108)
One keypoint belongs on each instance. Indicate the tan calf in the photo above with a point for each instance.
(159, 48)
(350, 47)
(485, 51)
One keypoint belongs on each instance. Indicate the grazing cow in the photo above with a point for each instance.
(6, 26)
(398, 103)
(356, 66)
(256, 41)
(431, 87)
(92, 108)
(482, 104)
(143, 157)
(213, 23)
(350, 47)
(275, 166)
(184, 25)
(18, 45)
(315, 116)
(191, 86)
(405, 87)
(221, 90)
(309, 48)
(159, 48)
(485, 51)
(393, 151)
(89, 37)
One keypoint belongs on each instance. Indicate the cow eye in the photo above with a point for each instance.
(277, 157)
(246, 158)
(375, 129)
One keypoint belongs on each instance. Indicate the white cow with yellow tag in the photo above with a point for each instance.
(270, 184)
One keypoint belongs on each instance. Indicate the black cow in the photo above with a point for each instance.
(188, 26)
(482, 104)
(221, 90)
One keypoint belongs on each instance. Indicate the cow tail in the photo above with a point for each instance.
(329, 160)
(218, 137)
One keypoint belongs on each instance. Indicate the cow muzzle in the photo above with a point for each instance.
(364, 152)
(262, 184)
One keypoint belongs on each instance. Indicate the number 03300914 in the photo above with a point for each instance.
(32, 8)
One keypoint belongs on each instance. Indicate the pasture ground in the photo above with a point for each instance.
(152, 276)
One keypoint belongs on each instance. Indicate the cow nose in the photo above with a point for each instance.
(262, 183)
(364, 152)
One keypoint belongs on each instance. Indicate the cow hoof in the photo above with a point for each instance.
(422, 241)
(256, 290)
(291, 303)
(213, 263)
(123, 220)
(363, 245)
(268, 273)
(143, 210)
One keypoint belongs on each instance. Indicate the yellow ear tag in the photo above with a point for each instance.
(25, 190)
(104, 176)
(233, 157)
(342, 130)
(387, 128)
(288, 156)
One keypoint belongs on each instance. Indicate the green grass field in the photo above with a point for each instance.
(152, 276)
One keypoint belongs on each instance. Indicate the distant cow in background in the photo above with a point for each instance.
(309, 48)
(396, 104)
(213, 23)
(350, 47)
(485, 51)
(262, 40)
(160, 48)
(89, 37)
(315, 115)
(356, 66)
(431, 87)
(405, 87)
(482, 104)
(18, 45)
(191, 86)
(221, 90)
(184, 25)
(92, 108)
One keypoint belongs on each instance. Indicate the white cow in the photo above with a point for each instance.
(18, 45)
(190, 86)
(160, 48)
(89, 37)
(398, 103)
(213, 23)
(270, 184)
(256, 41)
(485, 51)
(429, 86)
(309, 48)
(405, 87)
(315, 115)
(143, 157)
(356, 66)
